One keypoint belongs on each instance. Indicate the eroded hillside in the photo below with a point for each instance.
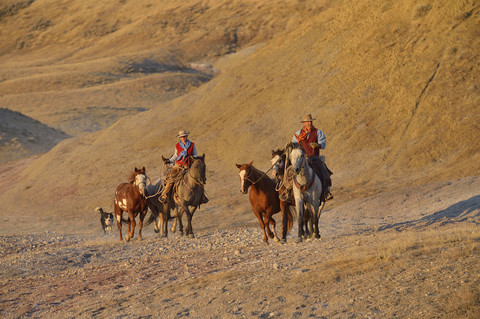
(392, 85)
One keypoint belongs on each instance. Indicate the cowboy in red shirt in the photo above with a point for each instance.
(312, 141)
(185, 152)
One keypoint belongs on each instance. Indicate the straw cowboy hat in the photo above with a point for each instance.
(307, 118)
(182, 133)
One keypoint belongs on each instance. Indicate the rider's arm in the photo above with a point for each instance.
(322, 139)
(194, 151)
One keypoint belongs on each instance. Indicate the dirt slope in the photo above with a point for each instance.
(392, 87)
(21, 136)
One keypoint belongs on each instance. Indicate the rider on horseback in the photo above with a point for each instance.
(312, 141)
(185, 152)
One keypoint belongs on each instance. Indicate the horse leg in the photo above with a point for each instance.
(299, 206)
(315, 220)
(273, 223)
(118, 215)
(267, 218)
(164, 228)
(174, 226)
(131, 225)
(189, 230)
(140, 224)
(262, 225)
(283, 210)
(179, 220)
(307, 215)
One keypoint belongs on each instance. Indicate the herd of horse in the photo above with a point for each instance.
(295, 189)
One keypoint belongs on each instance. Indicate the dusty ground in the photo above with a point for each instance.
(406, 254)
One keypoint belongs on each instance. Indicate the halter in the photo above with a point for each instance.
(137, 185)
(263, 174)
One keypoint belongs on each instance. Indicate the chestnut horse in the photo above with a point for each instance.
(130, 198)
(263, 198)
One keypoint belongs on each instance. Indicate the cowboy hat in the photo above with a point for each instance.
(307, 118)
(182, 133)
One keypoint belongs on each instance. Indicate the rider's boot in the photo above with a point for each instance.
(204, 199)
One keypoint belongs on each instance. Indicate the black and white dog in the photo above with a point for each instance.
(106, 219)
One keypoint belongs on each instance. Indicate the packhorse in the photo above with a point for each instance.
(264, 200)
(160, 212)
(130, 198)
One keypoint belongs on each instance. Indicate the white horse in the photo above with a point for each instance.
(307, 190)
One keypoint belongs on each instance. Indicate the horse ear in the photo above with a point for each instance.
(238, 165)
(143, 170)
(250, 164)
(136, 169)
(202, 157)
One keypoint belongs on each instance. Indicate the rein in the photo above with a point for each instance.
(263, 175)
(303, 188)
(197, 181)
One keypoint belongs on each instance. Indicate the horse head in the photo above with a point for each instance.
(245, 176)
(140, 180)
(198, 169)
(278, 162)
(298, 160)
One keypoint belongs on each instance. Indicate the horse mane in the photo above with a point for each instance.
(137, 171)
(131, 179)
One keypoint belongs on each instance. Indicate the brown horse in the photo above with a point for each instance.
(130, 197)
(263, 198)
(188, 192)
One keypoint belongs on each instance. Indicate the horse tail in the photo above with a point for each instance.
(150, 219)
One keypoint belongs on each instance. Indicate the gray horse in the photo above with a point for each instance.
(188, 192)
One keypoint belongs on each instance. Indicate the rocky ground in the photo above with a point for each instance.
(416, 259)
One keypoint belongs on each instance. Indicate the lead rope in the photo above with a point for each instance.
(264, 174)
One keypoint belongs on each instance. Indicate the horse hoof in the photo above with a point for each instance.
(299, 240)
(157, 230)
(191, 236)
(318, 236)
(283, 240)
(276, 239)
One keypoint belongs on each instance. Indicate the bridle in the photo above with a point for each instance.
(197, 180)
(303, 188)
(137, 184)
(247, 178)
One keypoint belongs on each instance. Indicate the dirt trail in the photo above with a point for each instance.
(418, 260)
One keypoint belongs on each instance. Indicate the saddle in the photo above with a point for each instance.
(320, 169)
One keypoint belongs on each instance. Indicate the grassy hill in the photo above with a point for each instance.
(393, 85)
